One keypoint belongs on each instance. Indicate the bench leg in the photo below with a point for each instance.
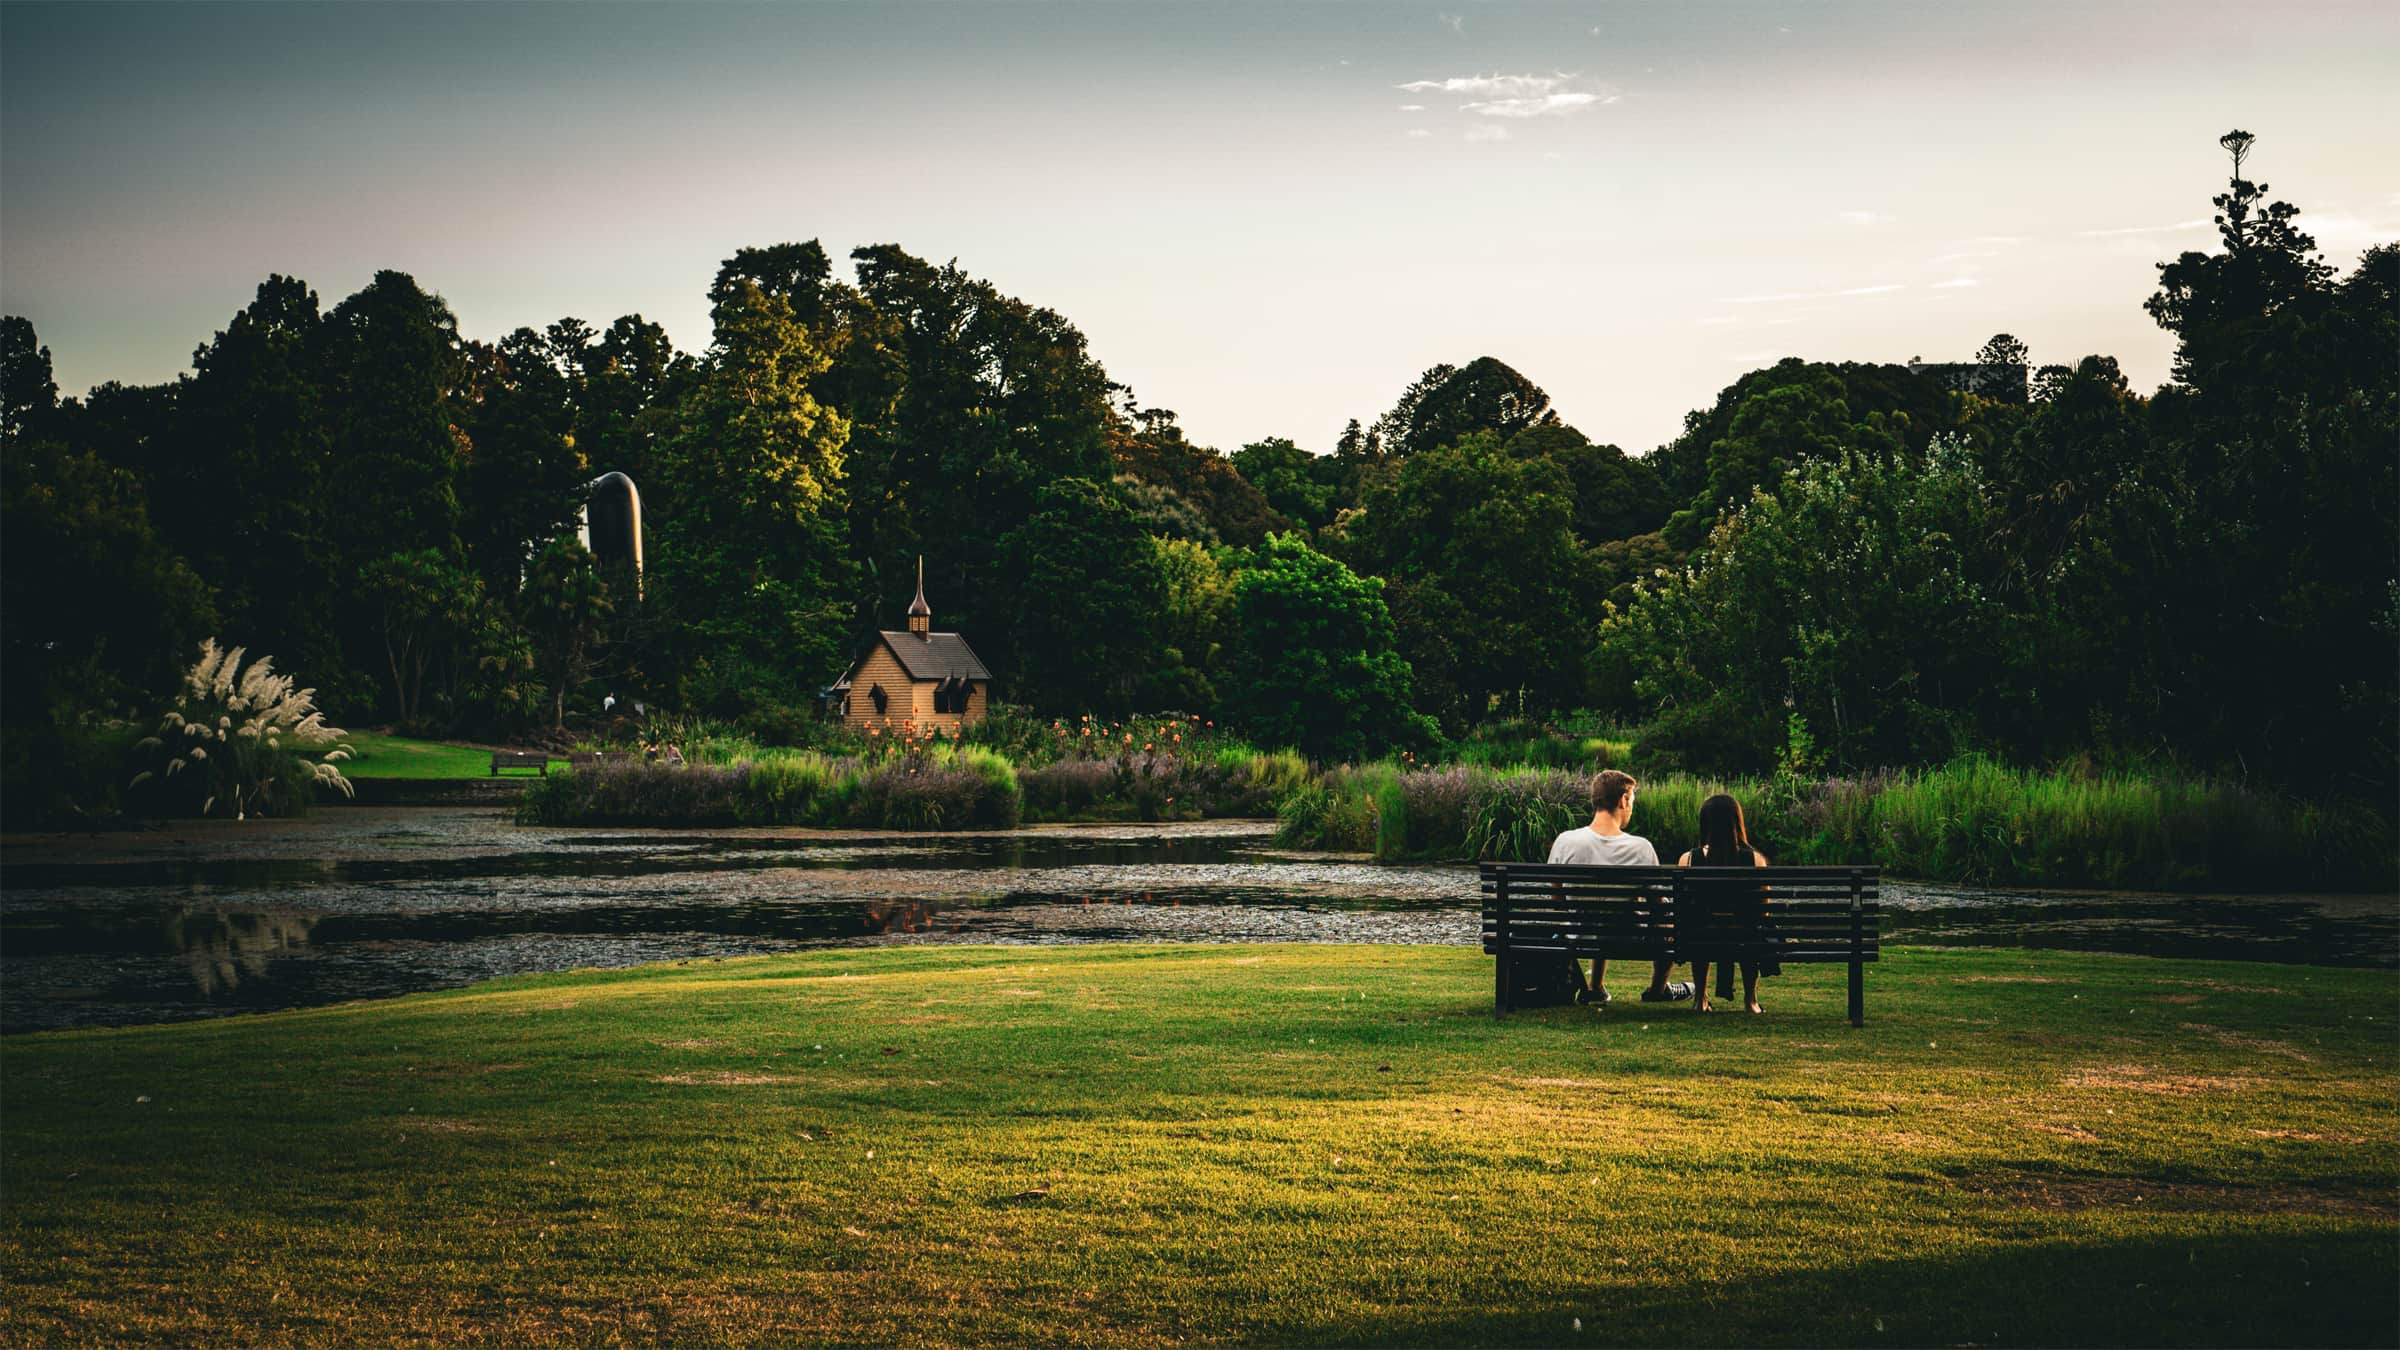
(1858, 993)
(1500, 984)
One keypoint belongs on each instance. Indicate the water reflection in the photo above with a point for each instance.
(373, 902)
(220, 946)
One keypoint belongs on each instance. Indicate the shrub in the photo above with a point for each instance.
(239, 742)
(1069, 787)
(799, 789)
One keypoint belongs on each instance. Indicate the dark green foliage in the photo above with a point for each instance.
(1449, 403)
(1488, 581)
(1616, 496)
(751, 486)
(1858, 598)
(240, 456)
(964, 404)
(1295, 483)
(99, 610)
(521, 482)
(565, 603)
(423, 608)
(1157, 458)
(393, 369)
(1084, 592)
(1316, 666)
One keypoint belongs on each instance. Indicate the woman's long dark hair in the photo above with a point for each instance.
(1724, 837)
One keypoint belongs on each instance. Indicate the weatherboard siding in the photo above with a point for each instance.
(910, 701)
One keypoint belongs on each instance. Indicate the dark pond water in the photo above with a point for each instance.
(369, 902)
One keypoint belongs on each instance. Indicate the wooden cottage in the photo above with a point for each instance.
(918, 679)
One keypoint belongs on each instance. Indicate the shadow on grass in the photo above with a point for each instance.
(2263, 1288)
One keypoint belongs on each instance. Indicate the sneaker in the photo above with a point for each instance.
(1597, 997)
(1675, 991)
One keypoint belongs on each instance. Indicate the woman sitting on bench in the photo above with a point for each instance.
(1725, 842)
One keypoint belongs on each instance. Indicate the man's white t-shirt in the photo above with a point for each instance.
(1586, 848)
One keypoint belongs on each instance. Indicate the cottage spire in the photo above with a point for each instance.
(920, 614)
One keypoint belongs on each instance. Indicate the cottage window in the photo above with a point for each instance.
(882, 700)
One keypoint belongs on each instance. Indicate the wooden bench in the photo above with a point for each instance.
(1536, 916)
(597, 759)
(537, 760)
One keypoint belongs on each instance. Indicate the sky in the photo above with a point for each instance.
(1268, 218)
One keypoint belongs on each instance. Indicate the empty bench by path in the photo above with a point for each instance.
(537, 760)
(1535, 915)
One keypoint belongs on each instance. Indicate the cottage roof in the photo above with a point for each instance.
(936, 656)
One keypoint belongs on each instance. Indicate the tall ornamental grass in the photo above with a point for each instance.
(238, 741)
(1972, 821)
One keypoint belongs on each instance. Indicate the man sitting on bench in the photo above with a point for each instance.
(1604, 843)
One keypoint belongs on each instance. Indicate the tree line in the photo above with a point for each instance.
(1834, 566)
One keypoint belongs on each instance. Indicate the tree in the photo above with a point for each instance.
(1856, 597)
(1287, 476)
(239, 455)
(522, 476)
(2003, 350)
(752, 483)
(395, 367)
(2280, 423)
(27, 390)
(1085, 594)
(423, 605)
(966, 403)
(99, 608)
(1153, 452)
(1493, 535)
(565, 604)
(1774, 431)
(1616, 495)
(1450, 402)
(1316, 668)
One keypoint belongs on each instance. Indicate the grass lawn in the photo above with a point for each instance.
(1197, 1144)
(381, 756)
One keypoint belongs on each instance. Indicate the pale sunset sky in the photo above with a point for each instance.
(1266, 217)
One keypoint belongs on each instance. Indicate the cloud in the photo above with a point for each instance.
(1866, 218)
(2178, 227)
(1457, 22)
(1515, 96)
(1418, 133)
(1494, 86)
(1412, 107)
(1486, 131)
(1548, 105)
(1955, 283)
(1784, 297)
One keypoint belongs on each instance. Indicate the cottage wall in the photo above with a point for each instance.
(910, 702)
(881, 667)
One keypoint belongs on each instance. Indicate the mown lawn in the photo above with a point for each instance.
(381, 756)
(1194, 1144)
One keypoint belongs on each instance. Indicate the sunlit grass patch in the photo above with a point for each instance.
(1143, 1146)
(382, 756)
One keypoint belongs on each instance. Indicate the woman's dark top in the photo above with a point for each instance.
(1731, 908)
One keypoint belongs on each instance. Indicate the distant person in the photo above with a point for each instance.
(1604, 843)
(674, 757)
(1725, 842)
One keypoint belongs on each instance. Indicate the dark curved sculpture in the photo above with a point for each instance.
(612, 516)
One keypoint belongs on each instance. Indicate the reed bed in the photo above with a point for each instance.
(1972, 821)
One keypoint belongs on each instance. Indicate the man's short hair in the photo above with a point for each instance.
(1610, 788)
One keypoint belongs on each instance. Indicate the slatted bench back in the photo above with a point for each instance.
(1816, 915)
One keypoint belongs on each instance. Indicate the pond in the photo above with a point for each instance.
(210, 918)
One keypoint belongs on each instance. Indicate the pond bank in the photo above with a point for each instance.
(1271, 1144)
(208, 918)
